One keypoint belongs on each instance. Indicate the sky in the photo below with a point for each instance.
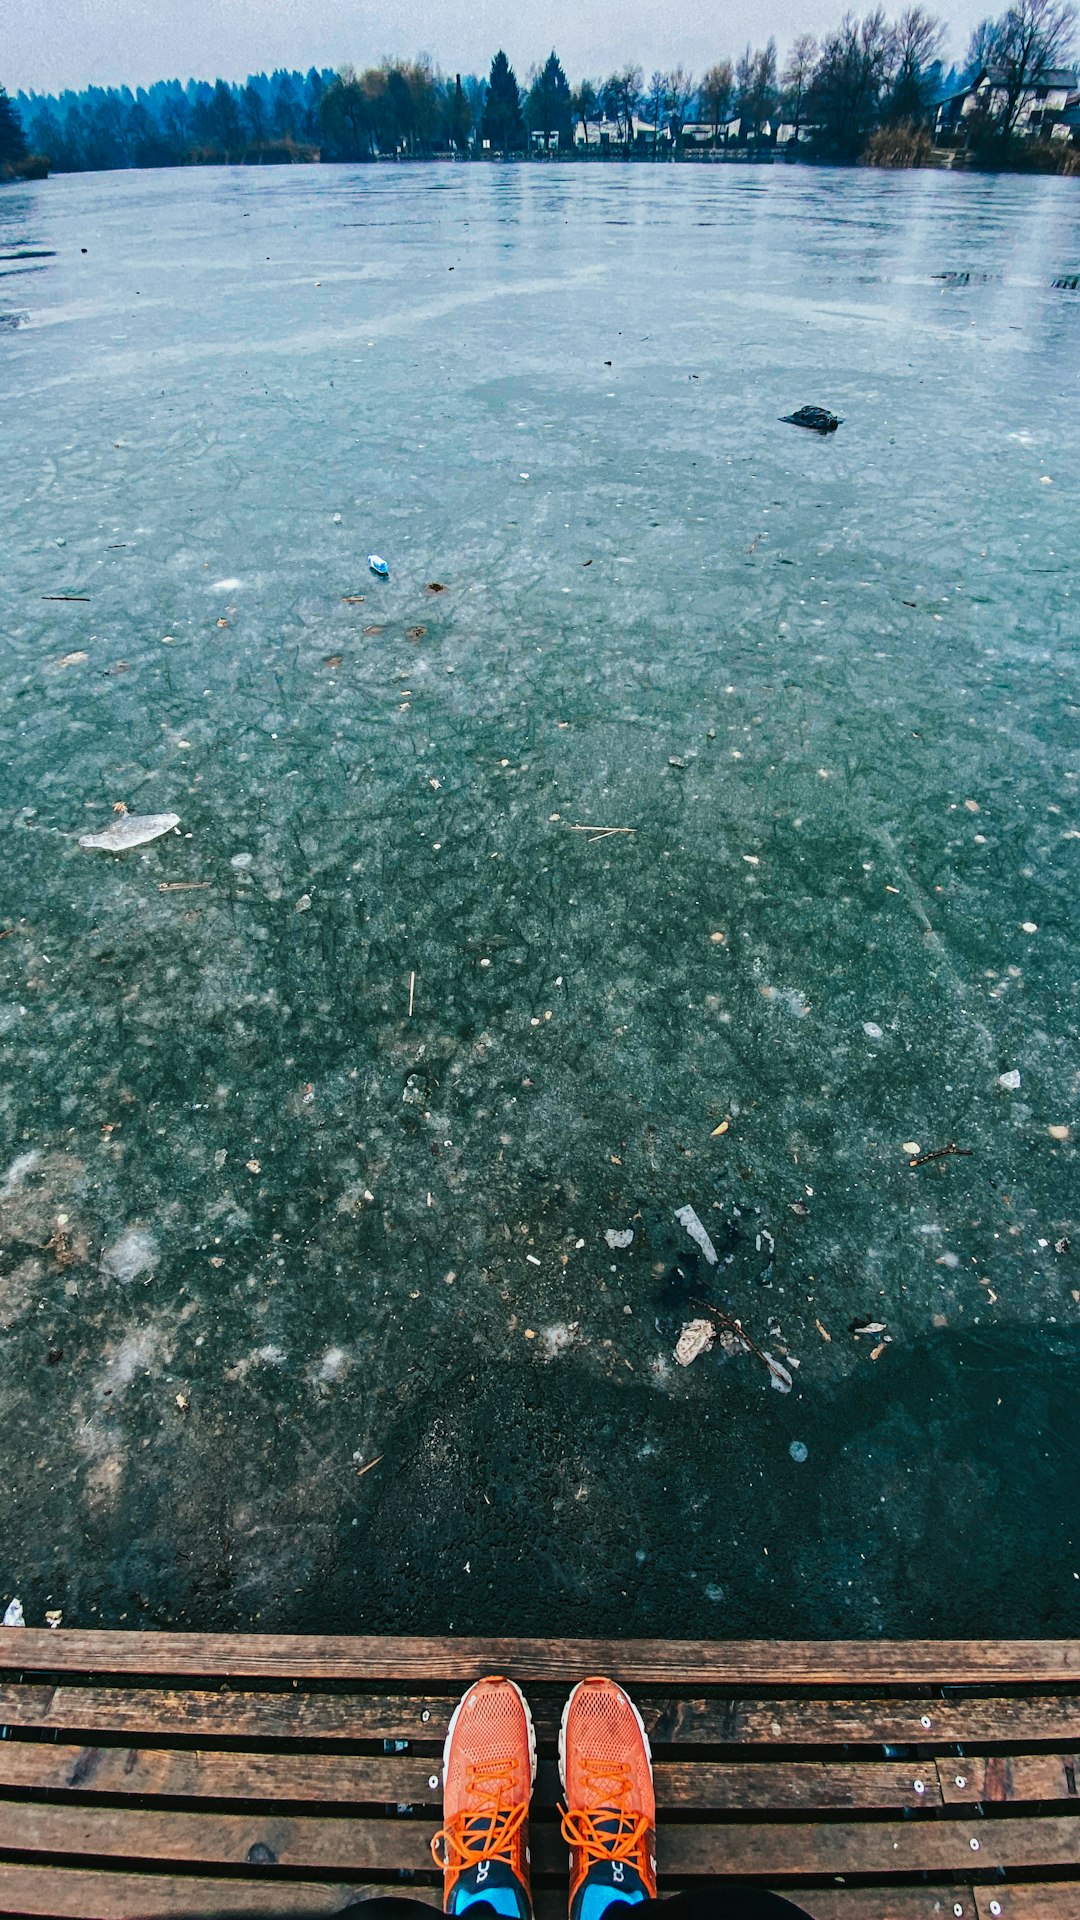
(77, 43)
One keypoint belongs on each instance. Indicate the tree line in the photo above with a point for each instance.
(867, 89)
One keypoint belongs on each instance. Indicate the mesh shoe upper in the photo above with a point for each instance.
(610, 1817)
(488, 1767)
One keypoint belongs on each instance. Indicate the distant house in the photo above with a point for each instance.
(1042, 110)
(609, 135)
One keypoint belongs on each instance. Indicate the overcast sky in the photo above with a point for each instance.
(76, 43)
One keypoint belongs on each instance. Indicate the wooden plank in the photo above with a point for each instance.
(869, 1847)
(1012, 1776)
(344, 1779)
(186, 1773)
(75, 1894)
(924, 1723)
(348, 1845)
(699, 1785)
(884, 1903)
(659, 1662)
(1056, 1900)
(200, 1714)
(243, 1714)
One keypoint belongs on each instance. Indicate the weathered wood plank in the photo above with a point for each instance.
(201, 1714)
(185, 1773)
(919, 1722)
(884, 1903)
(243, 1714)
(344, 1779)
(349, 1845)
(660, 1662)
(1013, 1776)
(771, 1850)
(1047, 1901)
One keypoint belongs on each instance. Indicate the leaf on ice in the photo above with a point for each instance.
(131, 830)
(688, 1218)
(696, 1337)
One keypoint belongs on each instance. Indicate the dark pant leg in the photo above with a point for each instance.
(714, 1900)
(720, 1900)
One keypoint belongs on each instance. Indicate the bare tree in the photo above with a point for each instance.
(585, 105)
(796, 77)
(718, 96)
(1030, 40)
(756, 89)
(981, 46)
(916, 43)
(622, 98)
(850, 78)
(654, 105)
(679, 89)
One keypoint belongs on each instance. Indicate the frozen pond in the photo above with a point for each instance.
(316, 1111)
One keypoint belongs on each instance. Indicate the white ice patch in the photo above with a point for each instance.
(872, 1030)
(333, 1364)
(135, 1252)
(556, 1339)
(135, 1353)
(22, 1164)
(224, 586)
(617, 1237)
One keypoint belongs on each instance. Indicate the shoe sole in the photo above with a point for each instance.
(454, 1717)
(566, 1716)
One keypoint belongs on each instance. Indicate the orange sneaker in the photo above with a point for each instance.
(489, 1765)
(610, 1820)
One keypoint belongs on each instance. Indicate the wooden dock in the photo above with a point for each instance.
(149, 1774)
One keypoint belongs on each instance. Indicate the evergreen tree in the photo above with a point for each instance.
(224, 116)
(549, 108)
(254, 113)
(502, 124)
(12, 137)
(460, 117)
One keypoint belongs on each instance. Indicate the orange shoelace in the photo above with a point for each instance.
(487, 1831)
(612, 1831)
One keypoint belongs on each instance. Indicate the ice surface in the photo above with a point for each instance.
(378, 1142)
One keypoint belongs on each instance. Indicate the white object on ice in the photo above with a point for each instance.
(696, 1337)
(619, 1237)
(1011, 1080)
(131, 830)
(688, 1218)
(133, 1254)
(13, 1616)
(378, 566)
(872, 1030)
(778, 1374)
